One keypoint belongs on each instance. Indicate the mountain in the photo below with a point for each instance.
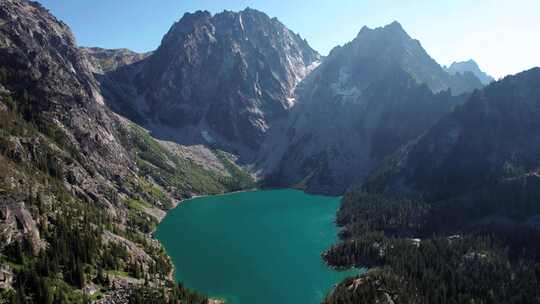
(470, 66)
(82, 188)
(466, 190)
(373, 51)
(217, 80)
(366, 99)
(490, 137)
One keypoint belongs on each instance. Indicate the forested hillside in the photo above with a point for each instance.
(453, 216)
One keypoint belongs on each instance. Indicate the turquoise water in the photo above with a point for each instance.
(254, 247)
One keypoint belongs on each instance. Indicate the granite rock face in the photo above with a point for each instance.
(52, 80)
(57, 123)
(221, 79)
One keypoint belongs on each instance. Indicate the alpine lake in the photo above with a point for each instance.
(254, 247)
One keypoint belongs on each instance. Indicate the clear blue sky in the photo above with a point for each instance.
(502, 36)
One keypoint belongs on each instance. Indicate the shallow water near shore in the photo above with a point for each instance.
(254, 247)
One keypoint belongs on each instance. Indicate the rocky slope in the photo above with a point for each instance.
(470, 66)
(81, 188)
(217, 80)
(366, 99)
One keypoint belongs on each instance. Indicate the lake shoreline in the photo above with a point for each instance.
(316, 203)
(212, 195)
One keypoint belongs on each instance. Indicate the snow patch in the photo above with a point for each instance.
(343, 88)
(313, 66)
(290, 102)
(241, 22)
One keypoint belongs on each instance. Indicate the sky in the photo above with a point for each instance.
(501, 36)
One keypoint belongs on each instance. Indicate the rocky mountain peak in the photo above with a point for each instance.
(248, 11)
(471, 66)
(374, 51)
(394, 25)
(364, 90)
(27, 28)
(192, 18)
(396, 29)
(392, 45)
(187, 24)
(219, 79)
(394, 32)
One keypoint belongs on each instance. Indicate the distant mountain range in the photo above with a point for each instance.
(470, 66)
(239, 81)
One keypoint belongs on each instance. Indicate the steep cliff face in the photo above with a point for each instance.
(220, 79)
(365, 100)
(51, 81)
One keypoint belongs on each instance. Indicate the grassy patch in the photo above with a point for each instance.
(182, 177)
(117, 273)
(239, 179)
(137, 204)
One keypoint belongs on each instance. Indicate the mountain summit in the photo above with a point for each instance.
(391, 45)
(351, 110)
(470, 66)
(221, 79)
